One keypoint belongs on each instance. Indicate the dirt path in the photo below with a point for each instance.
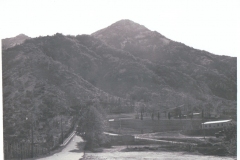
(73, 151)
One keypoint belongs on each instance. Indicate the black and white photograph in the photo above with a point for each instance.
(119, 79)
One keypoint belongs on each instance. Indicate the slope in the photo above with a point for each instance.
(11, 42)
(217, 73)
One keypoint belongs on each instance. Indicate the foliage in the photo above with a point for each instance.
(91, 126)
(169, 115)
(230, 132)
(230, 140)
(52, 73)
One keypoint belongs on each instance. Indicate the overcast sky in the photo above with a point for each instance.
(211, 25)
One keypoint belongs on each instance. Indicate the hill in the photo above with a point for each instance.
(217, 72)
(179, 65)
(11, 42)
(121, 68)
(37, 86)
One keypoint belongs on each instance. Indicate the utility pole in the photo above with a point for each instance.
(203, 126)
(31, 135)
(21, 150)
(120, 125)
(32, 139)
(61, 130)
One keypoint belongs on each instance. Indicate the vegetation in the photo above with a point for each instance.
(44, 77)
(11, 42)
(91, 126)
(230, 140)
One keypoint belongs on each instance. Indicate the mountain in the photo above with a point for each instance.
(217, 72)
(121, 68)
(134, 38)
(36, 84)
(11, 42)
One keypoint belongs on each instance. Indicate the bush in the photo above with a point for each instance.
(231, 146)
(230, 140)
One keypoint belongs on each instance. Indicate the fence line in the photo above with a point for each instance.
(23, 150)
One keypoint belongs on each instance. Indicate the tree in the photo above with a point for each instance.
(191, 116)
(180, 114)
(91, 125)
(169, 115)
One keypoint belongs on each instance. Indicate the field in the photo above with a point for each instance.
(129, 125)
(182, 137)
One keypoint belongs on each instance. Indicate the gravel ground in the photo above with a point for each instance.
(115, 153)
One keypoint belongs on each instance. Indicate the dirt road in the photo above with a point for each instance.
(73, 151)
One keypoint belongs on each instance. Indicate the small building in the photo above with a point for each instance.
(177, 112)
(195, 115)
(119, 139)
(216, 124)
(214, 115)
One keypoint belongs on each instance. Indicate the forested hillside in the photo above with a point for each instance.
(120, 68)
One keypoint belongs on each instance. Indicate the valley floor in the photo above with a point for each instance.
(116, 153)
(74, 151)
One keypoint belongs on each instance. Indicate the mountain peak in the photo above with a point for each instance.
(18, 36)
(22, 36)
(124, 21)
(128, 36)
(123, 27)
(127, 24)
(11, 42)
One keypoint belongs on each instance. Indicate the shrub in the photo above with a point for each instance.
(230, 140)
